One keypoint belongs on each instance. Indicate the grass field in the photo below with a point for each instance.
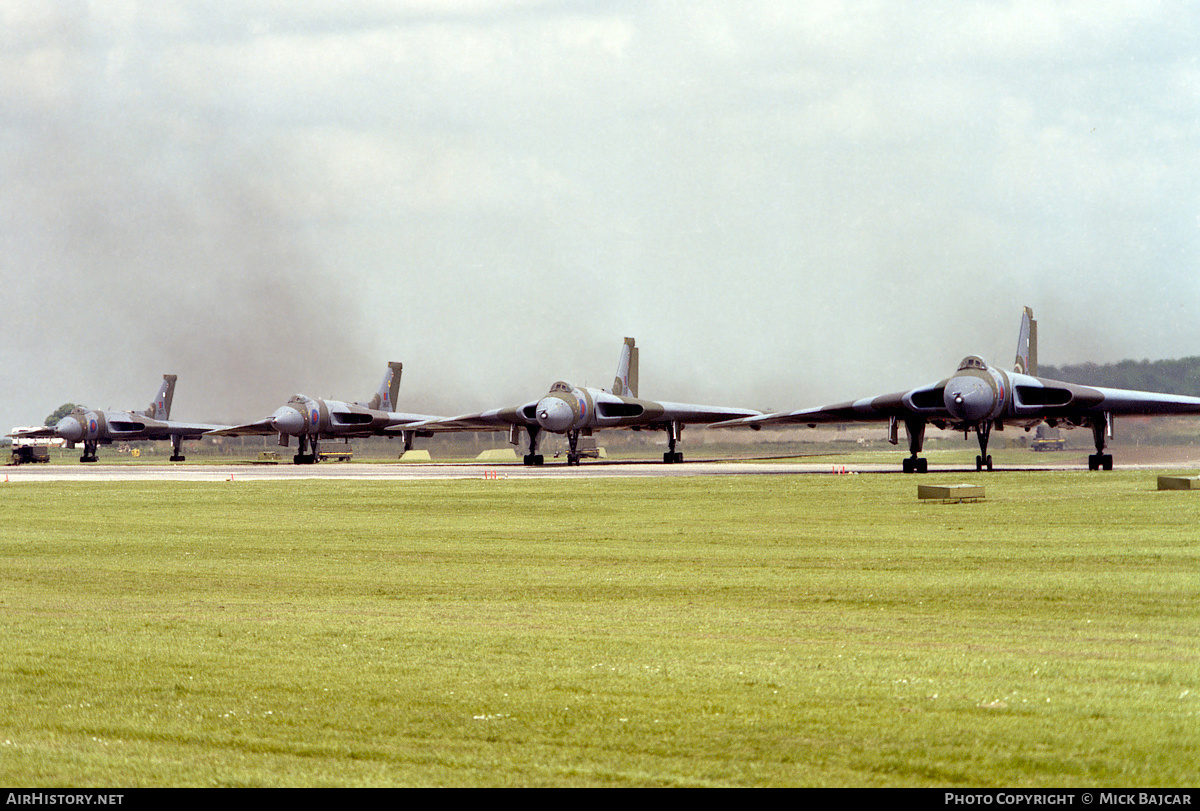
(710, 631)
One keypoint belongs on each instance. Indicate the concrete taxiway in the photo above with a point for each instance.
(198, 472)
(397, 472)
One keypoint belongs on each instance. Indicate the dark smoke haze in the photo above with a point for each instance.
(145, 250)
(786, 202)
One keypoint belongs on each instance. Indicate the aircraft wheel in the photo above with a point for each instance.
(178, 458)
(1094, 462)
(922, 465)
(988, 462)
(1106, 461)
(908, 464)
(668, 458)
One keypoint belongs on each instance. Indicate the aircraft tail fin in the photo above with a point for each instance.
(626, 382)
(389, 389)
(1027, 360)
(160, 406)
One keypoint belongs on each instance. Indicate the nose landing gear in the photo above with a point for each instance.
(983, 431)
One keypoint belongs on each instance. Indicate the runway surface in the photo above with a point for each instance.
(202, 471)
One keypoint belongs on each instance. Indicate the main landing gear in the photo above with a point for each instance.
(533, 458)
(674, 432)
(89, 452)
(916, 438)
(177, 448)
(1101, 428)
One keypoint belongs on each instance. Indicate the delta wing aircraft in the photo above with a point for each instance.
(577, 411)
(94, 427)
(979, 397)
(311, 419)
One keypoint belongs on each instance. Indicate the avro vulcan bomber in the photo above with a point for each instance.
(311, 420)
(979, 398)
(93, 426)
(576, 411)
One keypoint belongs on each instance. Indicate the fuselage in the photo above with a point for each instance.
(307, 416)
(575, 408)
(96, 425)
(978, 393)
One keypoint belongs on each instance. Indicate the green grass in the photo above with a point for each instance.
(713, 631)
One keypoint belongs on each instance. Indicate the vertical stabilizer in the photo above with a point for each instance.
(1027, 361)
(160, 407)
(626, 382)
(389, 389)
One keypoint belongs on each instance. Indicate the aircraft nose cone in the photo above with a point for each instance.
(69, 429)
(287, 420)
(969, 399)
(554, 415)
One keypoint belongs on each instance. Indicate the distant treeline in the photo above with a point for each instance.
(1180, 376)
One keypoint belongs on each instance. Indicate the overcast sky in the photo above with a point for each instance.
(786, 203)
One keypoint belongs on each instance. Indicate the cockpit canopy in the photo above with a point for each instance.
(972, 362)
(560, 386)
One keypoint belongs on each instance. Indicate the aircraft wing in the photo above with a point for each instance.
(871, 409)
(187, 430)
(1124, 401)
(399, 422)
(695, 414)
(496, 419)
(263, 427)
(191, 430)
(44, 432)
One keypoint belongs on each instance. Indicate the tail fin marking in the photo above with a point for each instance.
(626, 382)
(160, 406)
(389, 389)
(1027, 360)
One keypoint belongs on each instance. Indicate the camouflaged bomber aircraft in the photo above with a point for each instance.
(311, 420)
(94, 427)
(576, 411)
(979, 397)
